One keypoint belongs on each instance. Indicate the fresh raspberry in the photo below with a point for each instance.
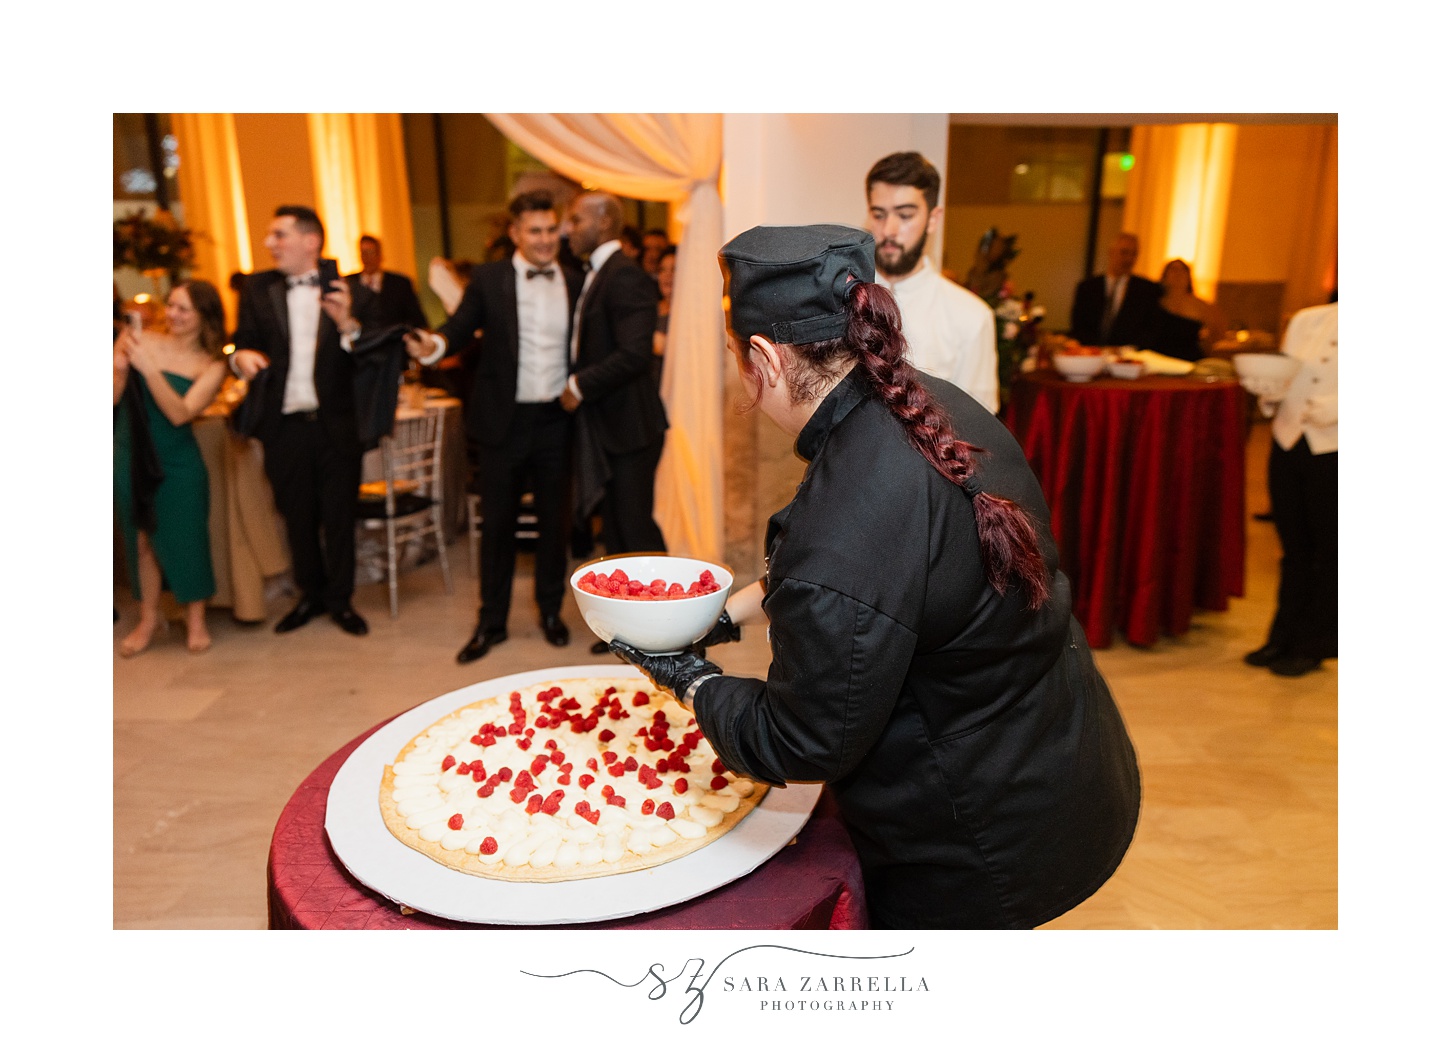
(616, 770)
(611, 756)
(641, 699)
(716, 766)
(631, 763)
(536, 766)
(665, 811)
(607, 791)
(506, 773)
(592, 764)
(718, 782)
(486, 790)
(681, 785)
(477, 740)
(535, 803)
(552, 802)
(563, 779)
(606, 735)
(488, 846)
(617, 800)
(448, 762)
(523, 744)
(456, 822)
(557, 757)
(586, 781)
(517, 795)
(647, 807)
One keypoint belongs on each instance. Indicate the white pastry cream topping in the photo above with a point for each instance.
(565, 774)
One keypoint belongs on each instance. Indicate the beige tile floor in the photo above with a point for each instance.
(1239, 823)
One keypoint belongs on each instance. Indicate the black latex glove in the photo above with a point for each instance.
(673, 673)
(723, 630)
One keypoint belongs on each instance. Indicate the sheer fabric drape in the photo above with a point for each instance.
(674, 157)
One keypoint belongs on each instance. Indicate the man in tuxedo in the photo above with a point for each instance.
(610, 383)
(1117, 307)
(520, 432)
(618, 409)
(304, 334)
(383, 298)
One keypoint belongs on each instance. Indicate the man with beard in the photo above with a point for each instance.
(951, 333)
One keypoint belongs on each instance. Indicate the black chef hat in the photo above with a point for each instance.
(788, 283)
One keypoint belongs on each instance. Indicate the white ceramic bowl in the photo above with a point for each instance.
(657, 627)
(1266, 366)
(1078, 368)
(1126, 370)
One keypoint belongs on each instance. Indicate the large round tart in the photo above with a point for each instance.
(563, 780)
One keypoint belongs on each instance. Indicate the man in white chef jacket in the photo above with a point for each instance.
(950, 331)
(1304, 489)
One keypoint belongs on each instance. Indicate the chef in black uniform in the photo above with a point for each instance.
(925, 663)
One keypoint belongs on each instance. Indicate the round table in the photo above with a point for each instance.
(814, 883)
(1145, 482)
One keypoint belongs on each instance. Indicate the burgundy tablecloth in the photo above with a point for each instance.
(1145, 480)
(814, 883)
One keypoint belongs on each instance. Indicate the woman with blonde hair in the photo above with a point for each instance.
(161, 382)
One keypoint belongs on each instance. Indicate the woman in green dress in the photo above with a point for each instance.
(161, 381)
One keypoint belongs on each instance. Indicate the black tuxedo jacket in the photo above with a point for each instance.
(491, 304)
(1132, 323)
(616, 349)
(397, 302)
(262, 326)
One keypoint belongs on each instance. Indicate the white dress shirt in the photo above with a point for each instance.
(950, 331)
(543, 316)
(1312, 404)
(304, 312)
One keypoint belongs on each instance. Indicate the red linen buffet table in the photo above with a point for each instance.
(813, 883)
(1145, 481)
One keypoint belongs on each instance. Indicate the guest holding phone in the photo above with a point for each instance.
(298, 318)
(161, 381)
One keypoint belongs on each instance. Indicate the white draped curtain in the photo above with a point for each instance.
(676, 158)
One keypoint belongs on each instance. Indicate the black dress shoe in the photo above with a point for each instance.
(350, 621)
(1264, 655)
(1294, 665)
(600, 647)
(303, 612)
(555, 632)
(483, 640)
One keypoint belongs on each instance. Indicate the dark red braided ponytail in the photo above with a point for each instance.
(1005, 532)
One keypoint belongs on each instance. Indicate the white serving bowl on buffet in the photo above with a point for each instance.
(1078, 368)
(657, 627)
(1126, 369)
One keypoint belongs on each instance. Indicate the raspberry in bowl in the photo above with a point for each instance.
(658, 603)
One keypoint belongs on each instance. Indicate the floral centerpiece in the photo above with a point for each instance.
(155, 245)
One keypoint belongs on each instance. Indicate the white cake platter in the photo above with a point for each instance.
(380, 861)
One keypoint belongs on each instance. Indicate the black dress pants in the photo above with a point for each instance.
(627, 513)
(533, 456)
(1303, 499)
(315, 483)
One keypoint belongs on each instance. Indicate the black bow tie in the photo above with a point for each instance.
(309, 279)
(548, 273)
